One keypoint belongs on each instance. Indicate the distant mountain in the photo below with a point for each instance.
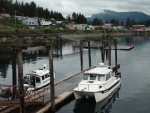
(121, 16)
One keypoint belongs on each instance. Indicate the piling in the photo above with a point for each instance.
(81, 55)
(51, 78)
(20, 81)
(109, 52)
(115, 44)
(89, 54)
(14, 76)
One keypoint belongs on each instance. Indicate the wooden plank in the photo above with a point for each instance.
(58, 100)
(34, 48)
(15, 103)
(121, 47)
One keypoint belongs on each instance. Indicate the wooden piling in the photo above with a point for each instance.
(109, 53)
(89, 54)
(14, 77)
(102, 54)
(52, 78)
(81, 55)
(20, 81)
(115, 44)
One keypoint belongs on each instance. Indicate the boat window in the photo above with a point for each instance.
(85, 77)
(43, 77)
(37, 80)
(101, 78)
(108, 76)
(26, 82)
(46, 76)
(92, 77)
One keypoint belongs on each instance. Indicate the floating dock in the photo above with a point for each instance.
(63, 91)
(119, 47)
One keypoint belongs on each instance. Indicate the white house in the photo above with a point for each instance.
(32, 23)
(45, 23)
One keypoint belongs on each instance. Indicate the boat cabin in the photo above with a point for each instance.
(98, 74)
(37, 78)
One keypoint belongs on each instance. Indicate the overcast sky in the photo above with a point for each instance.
(89, 7)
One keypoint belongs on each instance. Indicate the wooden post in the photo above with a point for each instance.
(1, 39)
(81, 56)
(20, 81)
(109, 52)
(61, 47)
(102, 54)
(89, 52)
(52, 78)
(14, 78)
(115, 42)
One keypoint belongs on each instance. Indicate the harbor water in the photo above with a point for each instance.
(134, 95)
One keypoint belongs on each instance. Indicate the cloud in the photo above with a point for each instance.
(89, 7)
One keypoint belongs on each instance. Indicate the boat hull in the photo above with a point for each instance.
(99, 95)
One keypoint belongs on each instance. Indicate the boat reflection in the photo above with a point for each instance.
(84, 105)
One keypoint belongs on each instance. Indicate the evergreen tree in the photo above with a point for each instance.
(128, 22)
(97, 21)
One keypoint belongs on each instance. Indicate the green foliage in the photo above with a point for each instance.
(77, 18)
(27, 9)
(97, 21)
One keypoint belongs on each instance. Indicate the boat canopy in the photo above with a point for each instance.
(99, 70)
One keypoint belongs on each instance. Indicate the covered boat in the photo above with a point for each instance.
(98, 82)
(38, 79)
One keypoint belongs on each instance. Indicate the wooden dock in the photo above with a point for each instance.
(119, 47)
(63, 91)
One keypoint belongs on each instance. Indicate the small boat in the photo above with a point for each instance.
(38, 79)
(98, 82)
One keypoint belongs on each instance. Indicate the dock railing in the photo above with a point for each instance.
(9, 95)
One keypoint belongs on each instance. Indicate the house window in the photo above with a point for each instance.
(26, 22)
(32, 22)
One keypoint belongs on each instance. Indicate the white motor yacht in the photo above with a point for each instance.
(98, 82)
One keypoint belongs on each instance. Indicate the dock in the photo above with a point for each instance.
(63, 91)
(120, 47)
(39, 101)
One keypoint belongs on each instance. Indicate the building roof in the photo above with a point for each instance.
(5, 15)
(46, 23)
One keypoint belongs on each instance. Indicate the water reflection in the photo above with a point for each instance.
(90, 106)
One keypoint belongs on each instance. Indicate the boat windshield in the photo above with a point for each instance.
(101, 78)
(92, 77)
(85, 77)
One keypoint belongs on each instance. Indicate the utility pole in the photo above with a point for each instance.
(15, 19)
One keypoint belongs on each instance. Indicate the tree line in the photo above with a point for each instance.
(28, 9)
(115, 22)
(32, 10)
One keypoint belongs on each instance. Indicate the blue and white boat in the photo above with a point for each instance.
(38, 79)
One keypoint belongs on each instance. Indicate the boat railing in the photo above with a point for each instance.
(10, 94)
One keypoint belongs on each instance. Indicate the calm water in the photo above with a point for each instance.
(134, 95)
